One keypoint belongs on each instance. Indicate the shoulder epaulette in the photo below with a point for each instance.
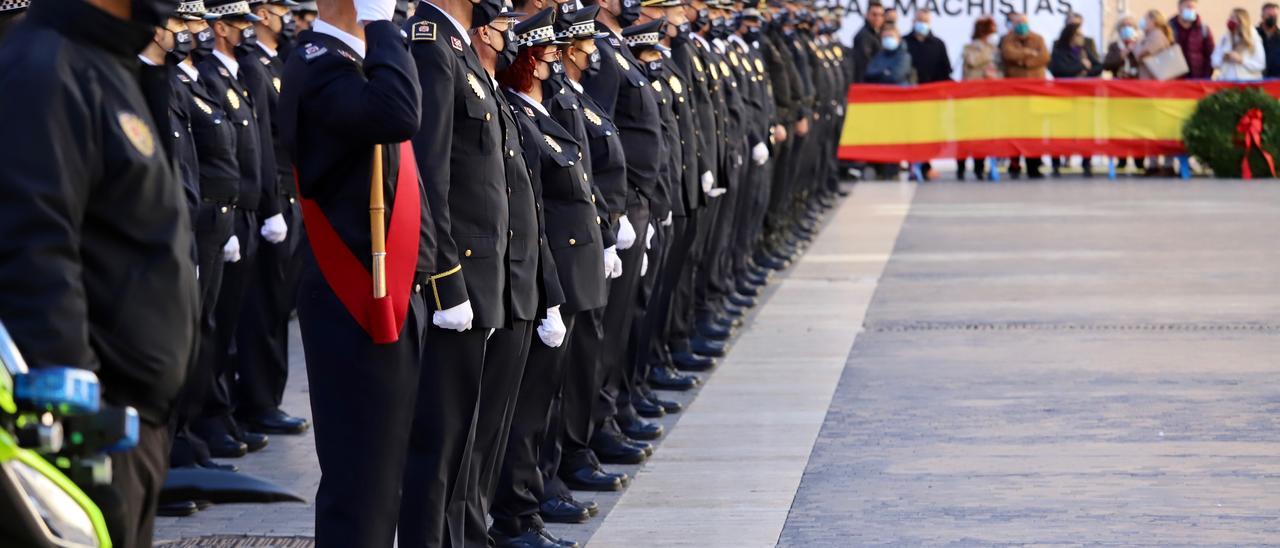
(311, 52)
(424, 31)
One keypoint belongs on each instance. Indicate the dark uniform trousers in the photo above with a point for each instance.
(675, 290)
(129, 503)
(719, 257)
(652, 308)
(574, 418)
(615, 397)
(237, 277)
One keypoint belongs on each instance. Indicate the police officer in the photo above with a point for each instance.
(348, 97)
(262, 337)
(459, 151)
(223, 78)
(776, 250)
(101, 277)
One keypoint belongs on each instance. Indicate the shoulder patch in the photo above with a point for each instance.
(311, 51)
(223, 71)
(456, 43)
(424, 31)
(614, 42)
(265, 60)
(184, 78)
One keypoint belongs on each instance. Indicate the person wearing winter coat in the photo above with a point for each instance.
(1240, 56)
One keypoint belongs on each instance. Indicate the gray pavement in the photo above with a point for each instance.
(1062, 363)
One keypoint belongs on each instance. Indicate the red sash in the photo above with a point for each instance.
(347, 276)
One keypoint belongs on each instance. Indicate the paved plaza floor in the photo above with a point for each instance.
(1059, 363)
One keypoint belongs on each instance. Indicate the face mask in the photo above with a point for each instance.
(1270, 21)
(1188, 15)
(557, 68)
(288, 29)
(889, 43)
(508, 53)
(701, 18)
(655, 67)
(1022, 29)
(735, 22)
(1233, 25)
(718, 29)
(752, 34)
(484, 12)
(248, 37)
(182, 46)
(566, 8)
(630, 13)
(204, 43)
(993, 39)
(152, 13)
(1142, 24)
(921, 28)
(593, 64)
(538, 70)
(1127, 33)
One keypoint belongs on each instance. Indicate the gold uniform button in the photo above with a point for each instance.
(597, 220)
(466, 253)
(511, 153)
(593, 199)
(224, 209)
(487, 116)
(584, 176)
(244, 122)
(417, 288)
(511, 233)
(573, 241)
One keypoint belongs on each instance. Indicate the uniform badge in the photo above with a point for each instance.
(475, 85)
(724, 68)
(839, 53)
(223, 72)
(759, 66)
(424, 31)
(350, 56)
(312, 51)
(614, 42)
(184, 78)
(528, 112)
(553, 144)
(266, 61)
(657, 86)
(733, 57)
(203, 106)
(138, 133)
(592, 116)
(455, 42)
(275, 82)
(622, 61)
(676, 86)
(714, 73)
(233, 99)
(697, 64)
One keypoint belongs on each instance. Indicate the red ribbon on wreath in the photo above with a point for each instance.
(1250, 131)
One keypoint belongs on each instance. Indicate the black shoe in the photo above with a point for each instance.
(772, 262)
(614, 449)
(688, 361)
(592, 479)
(1035, 175)
(642, 445)
(178, 509)
(275, 422)
(668, 406)
(758, 278)
(711, 331)
(560, 510)
(210, 465)
(254, 441)
(742, 301)
(226, 447)
(647, 408)
(529, 539)
(590, 505)
(564, 543)
(667, 378)
(749, 291)
(733, 311)
(642, 430)
(705, 347)
(202, 505)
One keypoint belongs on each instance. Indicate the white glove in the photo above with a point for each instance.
(552, 330)
(274, 229)
(626, 234)
(760, 154)
(648, 237)
(612, 263)
(375, 10)
(668, 221)
(717, 192)
(708, 181)
(644, 264)
(231, 250)
(457, 318)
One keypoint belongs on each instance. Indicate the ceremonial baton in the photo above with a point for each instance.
(378, 226)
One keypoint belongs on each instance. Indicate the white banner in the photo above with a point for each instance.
(953, 19)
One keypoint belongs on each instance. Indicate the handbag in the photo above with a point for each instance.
(1168, 64)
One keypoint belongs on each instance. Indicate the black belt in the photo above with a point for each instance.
(219, 202)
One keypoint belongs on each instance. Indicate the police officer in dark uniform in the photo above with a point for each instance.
(222, 77)
(459, 150)
(262, 338)
(348, 97)
(758, 100)
(777, 250)
(96, 262)
(567, 459)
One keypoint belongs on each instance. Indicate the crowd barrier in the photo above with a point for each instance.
(1010, 118)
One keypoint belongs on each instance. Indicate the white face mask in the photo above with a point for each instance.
(993, 39)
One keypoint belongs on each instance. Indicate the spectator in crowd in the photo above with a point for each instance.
(1240, 56)
(979, 59)
(1025, 55)
(1122, 65)
(1270, 34)
(891, 65)
(867, 42)
(1196, 40)
(928, 52)
(1090, 47)
(1071, 59)
(1158, 37)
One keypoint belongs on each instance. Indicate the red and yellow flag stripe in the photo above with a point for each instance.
(1006, 118)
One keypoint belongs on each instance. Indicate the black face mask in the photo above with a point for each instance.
(682, 34)
(508, 53)
(655, 70)
(288, 29)
(485, 12)
(182, 46)
(752, 34)
(700, 19)
(152, 13)
(248, 38)
(1270, 22)
(718, 30)
(630, 13)
(204, 44)
(593, 64)
(735, 22)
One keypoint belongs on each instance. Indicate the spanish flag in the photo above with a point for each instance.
(1008, 118)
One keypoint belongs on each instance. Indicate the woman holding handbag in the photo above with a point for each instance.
(1240, 56)
(1157, 41)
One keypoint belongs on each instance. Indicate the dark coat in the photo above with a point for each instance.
(267, 75)
(95, 260)
(1197, 46)
(929, 58)
(459, 153)
(237, 102)
(891, 67)
(565, 105)
(1068, 62)
(1271, 45)
(215, 139)
(535, 285)
(866, 44)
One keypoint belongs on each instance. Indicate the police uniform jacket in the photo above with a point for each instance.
(236, 101)
(687, 185)
(182, 142)
(267, 74)
(336, 107)
(263, 94)
(459, 149)
(95, 259)
(573, 228)
(215, 139)
(565, 105)
(781, 76)
(535, 286)
(671, 153)
(688, 58)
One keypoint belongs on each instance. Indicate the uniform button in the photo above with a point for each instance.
(570, 164)
(245, 92)
(417, 288)
(224, 209)
(217, 122)
(175, 135)
(466, 253)
(597, 220)
(584, 176)
(511, 233)
(511, 153)
(593, 199)
(291, 200)
(487, 116)
(244, 122)
(573, 241)
(508, 190)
